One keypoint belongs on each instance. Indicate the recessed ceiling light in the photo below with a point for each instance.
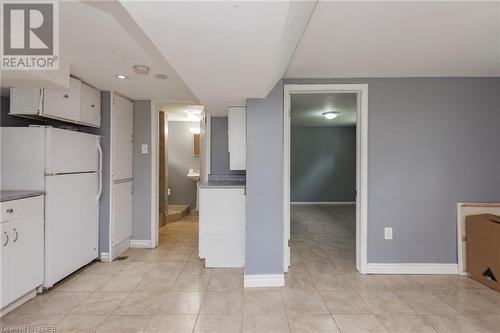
(330, 114)
(161, 76)
(141, 69)
(121, 76)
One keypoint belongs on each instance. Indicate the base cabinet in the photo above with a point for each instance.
(222, 227)
(21, 248)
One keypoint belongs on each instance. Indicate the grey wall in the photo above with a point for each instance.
(219, 154)
(141, 208)
(432, 142)
(180, 160)
(323, 164)
(264, 204)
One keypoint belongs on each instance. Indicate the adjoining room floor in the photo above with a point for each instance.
(167, 289)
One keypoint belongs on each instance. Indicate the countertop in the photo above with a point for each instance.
(15, 195)
(223, 184)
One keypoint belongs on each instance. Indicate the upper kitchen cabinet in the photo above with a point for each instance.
(79, 104)
(90, 106)
(237, 137)
(122, 138)
(63, 104)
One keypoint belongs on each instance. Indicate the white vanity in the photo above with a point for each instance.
(22, 247)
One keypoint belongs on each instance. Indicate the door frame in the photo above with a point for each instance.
(361, 164)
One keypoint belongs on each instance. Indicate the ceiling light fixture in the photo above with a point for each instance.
(161, 76)
(331, 115)
(141, 69)
(121, 76)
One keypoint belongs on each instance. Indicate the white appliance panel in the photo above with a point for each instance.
(122, 212)
(71, 224)
(70, 151)
(122, 138)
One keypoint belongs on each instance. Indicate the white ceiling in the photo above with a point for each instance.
(225, 51)
(98, 40)
(307, 109)
(386, 39)
(219, 53)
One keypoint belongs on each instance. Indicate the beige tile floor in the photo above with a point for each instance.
(169, 290)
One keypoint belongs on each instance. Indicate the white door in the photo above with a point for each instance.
(71, 224)
(70, 151)
(122, 140)
(122, 212)
(63, 104)
(90, 110)
(26, 254)
(5, 249)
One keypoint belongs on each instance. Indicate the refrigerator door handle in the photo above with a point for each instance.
(99, 192)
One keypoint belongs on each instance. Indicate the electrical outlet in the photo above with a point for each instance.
(388, 233)
(144, 149)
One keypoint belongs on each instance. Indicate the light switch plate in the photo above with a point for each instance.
(144, 149)
(388, 233)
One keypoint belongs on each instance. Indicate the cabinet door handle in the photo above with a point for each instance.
(66, 96)
(6, 239)
(92, 105)
(10, 210)
(17, 235)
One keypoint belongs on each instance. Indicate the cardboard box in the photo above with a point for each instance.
(483, 249)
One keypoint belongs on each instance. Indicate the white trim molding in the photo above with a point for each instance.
(361, 90)
(412, 268)
(323, 203)
(141, 244)
(264, 280)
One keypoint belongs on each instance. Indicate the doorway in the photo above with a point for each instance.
(359, 93)
(179, 161)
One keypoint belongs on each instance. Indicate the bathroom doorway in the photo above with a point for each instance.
(179, 161)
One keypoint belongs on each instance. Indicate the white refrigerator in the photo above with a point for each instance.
(67, 166)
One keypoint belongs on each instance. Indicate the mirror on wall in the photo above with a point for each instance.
(196, 145)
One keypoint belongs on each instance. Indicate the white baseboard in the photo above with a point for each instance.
(323, 203)
(412, 268)
(264, 280)
(105, 257)
(141, 243)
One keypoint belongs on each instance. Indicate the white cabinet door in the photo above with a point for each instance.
(5, 274)
(90, 110)
(237, 141)
(26, 255)
(122, 138)
(25, 101)
(63, 104)
(222, 227)
(71, 224)
(122, 212)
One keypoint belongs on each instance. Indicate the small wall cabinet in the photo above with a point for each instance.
(237, 133)
(22, 246)
(79, 104)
